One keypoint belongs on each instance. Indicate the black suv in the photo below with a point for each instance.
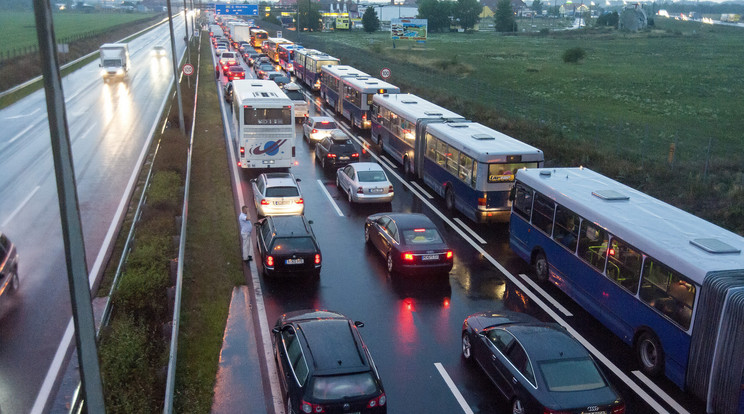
(8, 266)
(324, 365)
(336, 150)
(287, 245)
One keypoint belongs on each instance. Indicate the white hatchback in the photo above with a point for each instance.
(364, 182)
(315, 128)
(277, 194)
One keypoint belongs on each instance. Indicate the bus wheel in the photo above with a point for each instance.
(650, 354)
(449, 199)
(540, 267)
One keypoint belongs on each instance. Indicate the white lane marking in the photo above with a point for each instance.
(333, 203)
(388, 162)
(539, 302)
(22, 133)
(453, 388)
(44, 392)
(415, 184)
(263, 320)
(20, 207)
(655, 388)
(545, 295)
(471, 231)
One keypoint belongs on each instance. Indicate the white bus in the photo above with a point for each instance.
(668, 283)
(263, 116)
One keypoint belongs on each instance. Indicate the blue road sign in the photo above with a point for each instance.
(238, 9)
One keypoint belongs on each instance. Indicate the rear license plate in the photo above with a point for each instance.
(376, 190)
(281, 203)
(594, 412)
(430, 257)
(294, 261)
(343, 158)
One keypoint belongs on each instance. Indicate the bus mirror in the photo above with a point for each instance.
(512, 193)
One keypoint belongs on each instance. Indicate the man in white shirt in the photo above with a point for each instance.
(246, 228)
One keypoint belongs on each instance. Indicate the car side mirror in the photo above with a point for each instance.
(310, 222)
(275, 330)
(253, 180)
(298, 180)
(359, 324)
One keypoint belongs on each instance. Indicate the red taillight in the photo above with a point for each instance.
(264, 203)
(314, 131)
(242, 151)
(317, 259)
(360, 190)
(377, 401)
(450, 254)
(390, 189)
(331, 155)
(269, 260)
(307, 407)
(364, 117)
(300, 201)
(481, 202)
(355, 155)
(408, 257)
(619, 409)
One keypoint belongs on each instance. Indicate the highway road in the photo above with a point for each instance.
(413, 325)
(110, 126)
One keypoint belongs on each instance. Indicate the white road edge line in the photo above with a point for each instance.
(418, 187)
(545, 295)
(263, 321)
(471, 231)
(453, 388)
(655, 388)
(330, 198)
(388, 162)
(20, 206)
(538, 301)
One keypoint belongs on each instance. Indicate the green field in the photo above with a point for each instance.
(18, 29)
(619, 111)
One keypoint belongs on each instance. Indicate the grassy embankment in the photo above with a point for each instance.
(619, 111)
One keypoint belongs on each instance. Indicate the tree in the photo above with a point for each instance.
(537, 6)
(437, 13)
(504, 18)
(466, 13)
(308, 16)
(370, 21)
(608, 19)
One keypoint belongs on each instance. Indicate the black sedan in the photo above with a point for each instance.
(410, 243)
(538, 367)
(336, 150)
(324, 366)
(287, 246)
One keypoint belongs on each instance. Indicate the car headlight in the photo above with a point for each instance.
(120, 71)
(103, 72)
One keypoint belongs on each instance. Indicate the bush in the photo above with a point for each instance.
(544, 31)
(165, 190)
(574, 55)
(150, 252)
(142, 294)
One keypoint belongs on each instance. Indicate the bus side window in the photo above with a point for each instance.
(465, 168)
(624, 265)
(592, 244)
(566, 230)
(542, 216)
(668, 292)
(522, 204)
(452, 158)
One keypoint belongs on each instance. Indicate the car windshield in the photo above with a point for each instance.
(282, 192)
(562, 375)
(292, 244)
(343, 386)
(421, 236)
(325, 125)
(371, 176)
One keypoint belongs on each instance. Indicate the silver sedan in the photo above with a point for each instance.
(365, 182)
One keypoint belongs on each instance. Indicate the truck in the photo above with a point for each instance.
(115, 62)
(241, 33)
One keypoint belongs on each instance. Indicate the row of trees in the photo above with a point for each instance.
(443, 14)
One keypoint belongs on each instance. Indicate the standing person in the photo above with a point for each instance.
(217, 71)
(246, 228)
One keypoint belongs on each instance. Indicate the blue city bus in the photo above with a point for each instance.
(668, 283)
(397, 119)
(472, 167)
(357, 98)
(286, 53)
(331, 83)
(299, 61)
(312, 69)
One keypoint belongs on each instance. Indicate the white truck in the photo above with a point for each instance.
(115, 62)
(241, 32)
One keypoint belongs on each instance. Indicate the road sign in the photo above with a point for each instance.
(237, 9)
(278, 33)
(385, 73)
(188, 69)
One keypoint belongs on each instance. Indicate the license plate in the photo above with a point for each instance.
(594, 412)
(430, 257)
(281, 203)
(294, 261)
(343, 158)
(376, 190)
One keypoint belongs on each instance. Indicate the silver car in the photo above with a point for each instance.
(315, 128)
(277, 194)
(365, 182)
(8, 266)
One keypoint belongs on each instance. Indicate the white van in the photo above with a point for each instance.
(298, 98)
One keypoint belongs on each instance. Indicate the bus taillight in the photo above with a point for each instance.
(481, 201)
(242, 151)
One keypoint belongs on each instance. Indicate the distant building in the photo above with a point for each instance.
(632, 18)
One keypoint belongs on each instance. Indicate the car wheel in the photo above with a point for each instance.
(540, 267)
(449, 199)
(466, 346)
(366, 234)
(517, 406)
(650, 354)
(348, 195)
(390, 265)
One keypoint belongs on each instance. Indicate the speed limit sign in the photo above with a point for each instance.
(385, 73)
(188, 69)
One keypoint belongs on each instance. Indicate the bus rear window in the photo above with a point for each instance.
(267, 116)
(504, 173)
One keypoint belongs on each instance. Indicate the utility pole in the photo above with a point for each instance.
(175, 70)
(72, 230)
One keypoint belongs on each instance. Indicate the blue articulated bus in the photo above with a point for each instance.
(331, 83)
(668, 283)
(356, 99)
